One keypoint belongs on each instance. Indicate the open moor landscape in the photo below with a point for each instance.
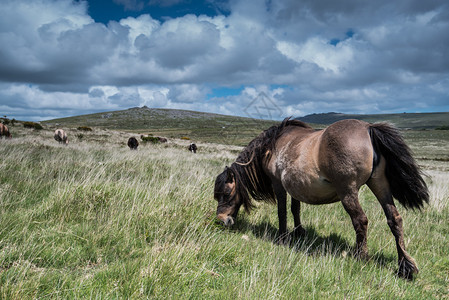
(94, 219)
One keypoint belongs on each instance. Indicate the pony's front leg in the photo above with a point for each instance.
(359, 220)
(281, 198)
(296, 209)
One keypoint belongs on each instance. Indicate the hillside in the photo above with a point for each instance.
(144, 117)
(223, 129)
(404, 120)
(172, 123)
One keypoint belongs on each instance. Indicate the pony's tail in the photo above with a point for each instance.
(403, 173)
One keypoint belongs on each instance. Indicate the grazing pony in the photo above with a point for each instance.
(321, 167)
(61, 136)
(133, 143)
(4, 131)
(193, 148)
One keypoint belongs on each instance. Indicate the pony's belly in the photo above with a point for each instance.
(318, 191)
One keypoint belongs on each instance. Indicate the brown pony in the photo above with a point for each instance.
(61, 137)
(321, 167)
(4, 131)
(133, 143)
(192, 148)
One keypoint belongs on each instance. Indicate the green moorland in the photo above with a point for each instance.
(172, 123)
(96, 220)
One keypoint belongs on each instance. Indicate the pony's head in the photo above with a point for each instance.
(246, 177)
(230, 195)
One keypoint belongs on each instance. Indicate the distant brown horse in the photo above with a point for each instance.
(4, 131)
(321, 167)
(133, 143)
(193, 148)
(61, 136)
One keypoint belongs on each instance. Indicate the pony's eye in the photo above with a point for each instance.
(227, 191)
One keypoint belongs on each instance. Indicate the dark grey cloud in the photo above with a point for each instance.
(179, 43)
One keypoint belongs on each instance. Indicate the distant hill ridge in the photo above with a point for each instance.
(403, 120)
(144, 117)
(158, 118)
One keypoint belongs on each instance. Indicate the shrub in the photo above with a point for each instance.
(34, 125)
(151, 139)
(446, 127)
(185, 138)
(84, 128)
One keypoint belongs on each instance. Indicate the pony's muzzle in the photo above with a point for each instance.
(226, 219)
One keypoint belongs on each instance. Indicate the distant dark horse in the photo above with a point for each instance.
(4, 131)
(320, 167)
(192, 148)
(133, 143)
(61, 136)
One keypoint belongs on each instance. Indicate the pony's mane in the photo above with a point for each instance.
(250, 178)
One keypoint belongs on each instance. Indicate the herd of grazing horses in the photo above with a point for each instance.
(61, 137)
(319, 167)
(133, 143)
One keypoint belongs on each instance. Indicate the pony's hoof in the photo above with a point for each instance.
(361, 254)
(407, 268)
(299, 232)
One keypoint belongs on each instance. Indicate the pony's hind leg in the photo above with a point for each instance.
(296, 208)
(350, 202)
(380, 188)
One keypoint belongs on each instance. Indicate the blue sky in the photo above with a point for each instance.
(62, 58)
(106, 10)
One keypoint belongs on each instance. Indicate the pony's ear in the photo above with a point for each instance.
(229, 175)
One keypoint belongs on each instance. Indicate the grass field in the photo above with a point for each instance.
(96, 220)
